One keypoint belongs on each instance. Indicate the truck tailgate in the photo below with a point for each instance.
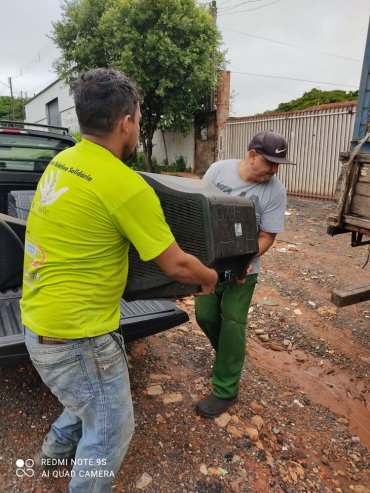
(138, 319)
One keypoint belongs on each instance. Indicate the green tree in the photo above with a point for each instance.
(5, 108)
(314, 98)
(170, 48)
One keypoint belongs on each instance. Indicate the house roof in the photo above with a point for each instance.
(45, 89)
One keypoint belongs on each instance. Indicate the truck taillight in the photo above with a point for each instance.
(12, 131)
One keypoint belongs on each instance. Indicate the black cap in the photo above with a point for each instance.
(270, 145)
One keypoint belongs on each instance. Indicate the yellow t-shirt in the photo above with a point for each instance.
(87, 209)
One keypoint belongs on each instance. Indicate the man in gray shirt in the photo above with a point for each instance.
(223, 315)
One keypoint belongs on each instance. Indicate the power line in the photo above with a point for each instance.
(294, 46)
(301, 80)
(263, 82)
(43, 85)
(273, 87)
(232, 7)
(226, 1)
(35, 60)
(37, 57)
(256, 8)
(19, 84)
(45, 54)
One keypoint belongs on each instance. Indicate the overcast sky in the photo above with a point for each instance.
(336, 27)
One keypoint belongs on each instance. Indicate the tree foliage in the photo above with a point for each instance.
(5, 108)
(170, 48)
(314, 98)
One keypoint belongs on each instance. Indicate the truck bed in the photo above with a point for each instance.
(25, 150)
(138, 319)
(354, 215)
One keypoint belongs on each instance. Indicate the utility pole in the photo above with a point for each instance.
(213, 7)
(212, 96)
(23, 108)
(11, 97)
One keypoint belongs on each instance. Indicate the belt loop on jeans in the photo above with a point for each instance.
(51, 340)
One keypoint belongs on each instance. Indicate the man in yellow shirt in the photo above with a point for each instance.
(88, 208)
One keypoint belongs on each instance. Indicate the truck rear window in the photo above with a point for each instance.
(29, 153)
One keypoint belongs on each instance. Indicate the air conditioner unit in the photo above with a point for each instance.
(19, 203)
(219, 229)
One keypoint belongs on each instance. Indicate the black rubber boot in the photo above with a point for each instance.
(44, 462)
(212, 406)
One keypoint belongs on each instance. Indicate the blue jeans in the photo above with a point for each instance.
(90, 378)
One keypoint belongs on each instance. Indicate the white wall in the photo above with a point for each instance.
(177, 145)
(36, 107)
(69, 119)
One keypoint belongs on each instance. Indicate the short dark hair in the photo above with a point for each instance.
(102, 96)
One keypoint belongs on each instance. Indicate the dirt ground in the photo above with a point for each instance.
(302, 422)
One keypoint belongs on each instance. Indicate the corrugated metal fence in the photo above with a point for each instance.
(315, 139)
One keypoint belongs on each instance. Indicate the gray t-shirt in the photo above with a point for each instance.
(269, 198)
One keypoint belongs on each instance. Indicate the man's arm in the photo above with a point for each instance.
(265, 240)
(271, 218)
(186, 268)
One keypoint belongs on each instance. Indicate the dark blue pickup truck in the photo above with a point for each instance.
(25, 151)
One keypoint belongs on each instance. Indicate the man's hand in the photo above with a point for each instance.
(187, 269)
(265, 240)
(247, 271)
(209, 288)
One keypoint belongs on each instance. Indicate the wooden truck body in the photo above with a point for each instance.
(352, 192)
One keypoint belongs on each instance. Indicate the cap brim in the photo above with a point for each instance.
(277, 160)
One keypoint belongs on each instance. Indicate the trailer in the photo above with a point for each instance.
(353, 187)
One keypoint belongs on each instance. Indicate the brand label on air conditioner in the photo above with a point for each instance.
(238, 229)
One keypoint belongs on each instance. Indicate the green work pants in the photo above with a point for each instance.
(223, 318)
